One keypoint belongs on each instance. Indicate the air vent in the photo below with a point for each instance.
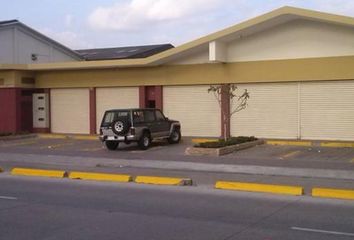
(27, 80)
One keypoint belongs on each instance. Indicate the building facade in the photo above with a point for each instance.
(297, 65)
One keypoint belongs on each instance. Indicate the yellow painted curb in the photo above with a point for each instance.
(100, 176)
(38, 172)
(333, 193)
(290, 143)
(338, 144)
(52, 136)
(255, 187)
(64, 136)
(202, 140)
(83, 137)
(163, 180)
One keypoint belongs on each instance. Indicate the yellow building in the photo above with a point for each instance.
(297, 64)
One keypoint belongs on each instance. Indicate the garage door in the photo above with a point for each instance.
(327, 110)
(195, 108)
(115, 98)
(272, 111)
(70, 111)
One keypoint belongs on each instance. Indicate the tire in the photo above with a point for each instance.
(120, 126)
(175, 136)
(145, 141)
(111, 145)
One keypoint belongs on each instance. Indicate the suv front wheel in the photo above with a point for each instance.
(175, 136)
(144, 141)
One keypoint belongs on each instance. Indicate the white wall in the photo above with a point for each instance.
(295, 39)
(17, 45)
(193, 58)
(6, 46)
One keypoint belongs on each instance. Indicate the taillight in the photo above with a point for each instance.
(132, 131)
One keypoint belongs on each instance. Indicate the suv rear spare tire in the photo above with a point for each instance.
(120, 126)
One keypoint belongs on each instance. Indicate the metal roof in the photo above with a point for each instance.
(130, 52)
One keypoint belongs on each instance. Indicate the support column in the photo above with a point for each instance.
(93, 120)
(142, 97)
(225, 111)
(9, 112)
(158, 97)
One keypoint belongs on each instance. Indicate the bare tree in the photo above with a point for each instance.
(237, 102)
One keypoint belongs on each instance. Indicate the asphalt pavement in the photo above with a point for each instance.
(50, 209)
(327, 167)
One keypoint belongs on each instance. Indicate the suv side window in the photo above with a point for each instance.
(159, 116)
(138, 117)
(149, 116)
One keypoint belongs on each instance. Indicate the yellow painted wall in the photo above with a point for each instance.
(314, 69)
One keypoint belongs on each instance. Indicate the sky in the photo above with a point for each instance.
(81, 24)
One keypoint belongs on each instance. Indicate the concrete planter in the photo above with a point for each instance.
(198, 151)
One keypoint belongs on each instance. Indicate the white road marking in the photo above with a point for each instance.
(8, 198)
(322, 231)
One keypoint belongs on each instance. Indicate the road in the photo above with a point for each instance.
(50, 209)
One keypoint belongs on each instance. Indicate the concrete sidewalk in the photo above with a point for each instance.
(55, 161)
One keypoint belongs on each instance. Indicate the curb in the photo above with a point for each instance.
(38, 172)
(265, 188)
(63, 136)
(100, 177)
(333, 193)
(17, 137)
(338, 144)
(163, 181)
(201, 140)
(289, 143)
(311, 143)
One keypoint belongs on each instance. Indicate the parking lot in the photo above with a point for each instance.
(264, 155)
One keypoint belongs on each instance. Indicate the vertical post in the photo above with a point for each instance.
(93, 128)
(142, 96)
(158, 97)
(225, 111)
(47, 91)
(18, 99)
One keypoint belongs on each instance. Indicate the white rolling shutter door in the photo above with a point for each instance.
(196, 109)
(272, 111)
(70, 111)
(327, 110)
(115, 98)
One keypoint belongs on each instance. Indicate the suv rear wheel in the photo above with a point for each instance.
(112, 145)
(144, 141)
(175, 136)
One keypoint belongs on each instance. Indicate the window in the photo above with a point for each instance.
(138, 116)
(159, 116)
(113, 116)
(149, 116)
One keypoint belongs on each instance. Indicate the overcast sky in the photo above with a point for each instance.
(82, 24)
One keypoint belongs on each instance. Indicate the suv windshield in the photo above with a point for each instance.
(112, 116)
